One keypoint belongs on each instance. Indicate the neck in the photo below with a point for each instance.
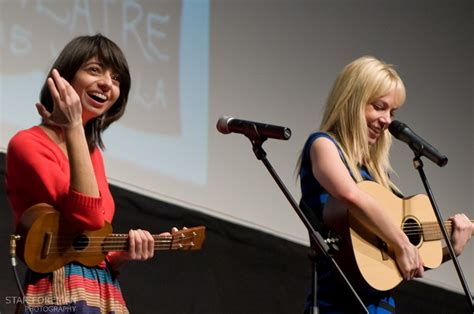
(54, 132)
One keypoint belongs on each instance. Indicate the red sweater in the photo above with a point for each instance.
(38, 172)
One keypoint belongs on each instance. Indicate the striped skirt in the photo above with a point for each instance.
(74, 288)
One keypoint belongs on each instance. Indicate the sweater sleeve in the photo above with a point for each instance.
(38, 172)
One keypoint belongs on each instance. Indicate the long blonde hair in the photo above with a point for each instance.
(361, 82)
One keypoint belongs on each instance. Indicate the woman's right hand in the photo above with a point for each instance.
(409, 261)
(67, 110)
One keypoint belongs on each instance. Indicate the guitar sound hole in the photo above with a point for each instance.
(412, 229)
(80, 242)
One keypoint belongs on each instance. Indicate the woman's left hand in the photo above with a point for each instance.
(461, 232)
(141, 245)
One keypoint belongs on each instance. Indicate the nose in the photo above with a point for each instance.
(385, 119)
(105, 81)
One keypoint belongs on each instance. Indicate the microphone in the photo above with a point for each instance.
(227, 124)
(402, 132)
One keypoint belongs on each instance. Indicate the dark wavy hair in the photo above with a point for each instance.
(72, 57)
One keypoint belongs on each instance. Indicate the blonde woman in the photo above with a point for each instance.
(353, 145)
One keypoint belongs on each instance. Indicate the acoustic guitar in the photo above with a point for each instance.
(46, 244)
(365, 258)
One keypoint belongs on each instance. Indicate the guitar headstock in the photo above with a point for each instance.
(188, 239)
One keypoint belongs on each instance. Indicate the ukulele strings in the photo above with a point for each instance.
(113, 243)
(124, 237)
(97, 249)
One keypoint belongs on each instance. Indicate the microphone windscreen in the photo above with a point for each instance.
(223, 124)
(396, 127)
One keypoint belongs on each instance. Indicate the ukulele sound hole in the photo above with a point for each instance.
(80, 242)
(412, 229)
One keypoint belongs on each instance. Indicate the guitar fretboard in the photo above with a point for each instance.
(432, 232)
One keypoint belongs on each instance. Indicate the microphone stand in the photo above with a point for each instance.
(418, 164)
(315, 235)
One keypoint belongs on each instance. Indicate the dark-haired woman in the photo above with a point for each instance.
(59, 162)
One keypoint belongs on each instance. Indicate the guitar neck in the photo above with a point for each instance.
(431, 230)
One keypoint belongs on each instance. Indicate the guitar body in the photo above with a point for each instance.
(47, 243)
(364, 257)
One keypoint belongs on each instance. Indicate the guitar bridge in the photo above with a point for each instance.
(46, 245)
(383, 249)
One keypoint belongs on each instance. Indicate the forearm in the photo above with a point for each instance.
(369, 212)
(366, 211)
(83, 179)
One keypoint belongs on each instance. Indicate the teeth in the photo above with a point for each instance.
(99, 95)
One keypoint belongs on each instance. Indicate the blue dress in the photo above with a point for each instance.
(332, 295)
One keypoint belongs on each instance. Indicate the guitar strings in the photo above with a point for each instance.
(425, 228)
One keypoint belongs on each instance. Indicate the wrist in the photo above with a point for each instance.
(457, 250)
(402, 243)
(116, 260)
(73, 128)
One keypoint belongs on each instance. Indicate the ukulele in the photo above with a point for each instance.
(45, 243)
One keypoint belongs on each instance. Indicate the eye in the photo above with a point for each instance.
(95, 69)
(115, 77)
(377, 106)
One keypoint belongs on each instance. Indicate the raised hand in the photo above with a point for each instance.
(67, 110)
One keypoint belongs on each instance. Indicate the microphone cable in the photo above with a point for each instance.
(13, 239)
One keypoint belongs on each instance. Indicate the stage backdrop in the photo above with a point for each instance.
(271, 61)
